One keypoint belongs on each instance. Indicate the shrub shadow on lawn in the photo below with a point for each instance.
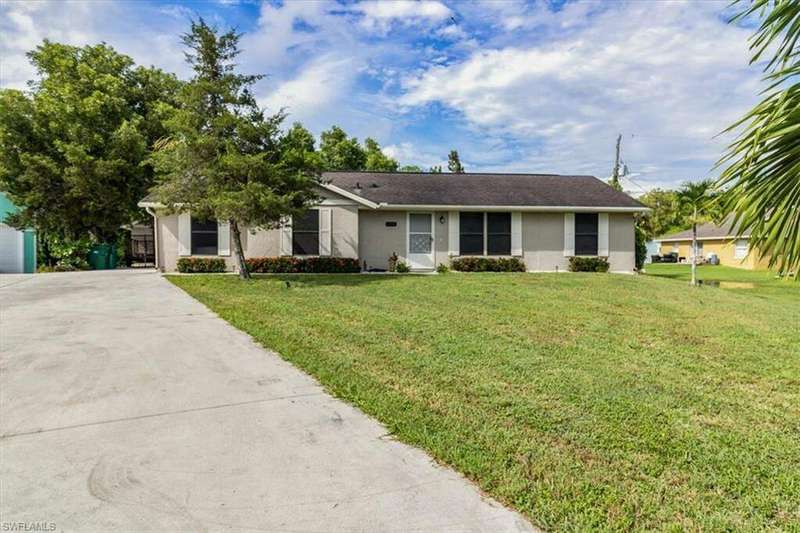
(344, 280)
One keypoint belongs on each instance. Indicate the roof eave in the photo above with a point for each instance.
(349, 195)
(526, 208)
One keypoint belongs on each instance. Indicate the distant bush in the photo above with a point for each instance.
(302, 265)
(488, 264)
(196, 265)
(641, 247)
(442, 268)
(402, 268)
(588, 264)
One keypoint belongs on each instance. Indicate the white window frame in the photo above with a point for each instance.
(741, 247)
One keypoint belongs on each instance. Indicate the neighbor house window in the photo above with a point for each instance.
(740, 252)
(498, 233)
(471, 229)
(305, 234)
(204, 237)
(585, 233)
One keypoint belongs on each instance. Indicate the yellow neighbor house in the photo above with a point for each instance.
(731, 247)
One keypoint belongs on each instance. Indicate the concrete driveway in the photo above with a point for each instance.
(125, 405)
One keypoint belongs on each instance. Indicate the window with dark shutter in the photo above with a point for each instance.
(498, 233)
(471, 233)
(585, 233)
(305, 234)
(204, 237)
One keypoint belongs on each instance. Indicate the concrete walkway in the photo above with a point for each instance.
(125, 405)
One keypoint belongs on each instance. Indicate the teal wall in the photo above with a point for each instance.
(6, 208)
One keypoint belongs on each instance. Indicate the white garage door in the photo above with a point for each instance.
(12, 249)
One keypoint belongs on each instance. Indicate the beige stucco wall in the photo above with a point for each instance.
(376, 242)
(725, 250)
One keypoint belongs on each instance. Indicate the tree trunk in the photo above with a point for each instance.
(237, 247)
(694, 249)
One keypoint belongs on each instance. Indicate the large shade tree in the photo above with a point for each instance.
(73, 148)
(225, 159)
(761, 181)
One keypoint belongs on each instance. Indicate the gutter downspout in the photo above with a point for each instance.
(155, 234)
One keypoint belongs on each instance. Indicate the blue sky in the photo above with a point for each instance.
(514, 86)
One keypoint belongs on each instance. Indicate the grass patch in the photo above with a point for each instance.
(586, 401)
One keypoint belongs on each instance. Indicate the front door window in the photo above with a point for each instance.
(420, 238)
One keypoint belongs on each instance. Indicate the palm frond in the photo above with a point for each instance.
(761, 181)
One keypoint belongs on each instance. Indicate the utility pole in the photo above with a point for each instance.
(614, 182)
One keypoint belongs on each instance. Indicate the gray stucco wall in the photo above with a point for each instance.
(344, 231)
(376, 241)
(543, 242)
(621, 242)
(363, 234)
(262, 243)
(442, 238)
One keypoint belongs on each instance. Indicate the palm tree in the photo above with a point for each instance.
(695, 199)
(761, 184)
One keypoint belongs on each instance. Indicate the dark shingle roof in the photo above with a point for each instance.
(474, 189)
(709, 230)
(537, 190)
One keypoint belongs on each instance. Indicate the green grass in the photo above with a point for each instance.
(586, 401)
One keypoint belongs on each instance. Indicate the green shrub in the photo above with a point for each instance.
(192, 265)
(302, 265)
(588, 264)
(442, 268)
(488, 264)
(640, 247)
(402, 268)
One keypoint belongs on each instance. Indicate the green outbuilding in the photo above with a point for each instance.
(17, 248)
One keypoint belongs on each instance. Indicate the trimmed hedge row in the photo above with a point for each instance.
(588, 264)
(194, 265)
(302, 265)
(488, 264)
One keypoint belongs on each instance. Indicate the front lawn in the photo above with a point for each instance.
(586, 401)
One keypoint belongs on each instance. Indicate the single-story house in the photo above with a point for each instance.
(731, 246)
(17, 248)
(427, 219)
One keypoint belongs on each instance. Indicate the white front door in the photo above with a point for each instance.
(420, 241)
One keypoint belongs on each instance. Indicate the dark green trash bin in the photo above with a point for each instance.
(99, 256)
(112, 257)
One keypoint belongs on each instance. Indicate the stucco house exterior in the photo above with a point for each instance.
(731, 246)
(427, 219)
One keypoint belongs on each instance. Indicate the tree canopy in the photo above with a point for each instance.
(225, 160)
(665, 216)
(73, 149)
(454, 163)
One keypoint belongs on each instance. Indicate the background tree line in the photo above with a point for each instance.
(80, 147)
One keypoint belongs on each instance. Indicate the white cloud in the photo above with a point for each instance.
(668, 75)
(24, 25)
(318, 86)
(380, 14)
